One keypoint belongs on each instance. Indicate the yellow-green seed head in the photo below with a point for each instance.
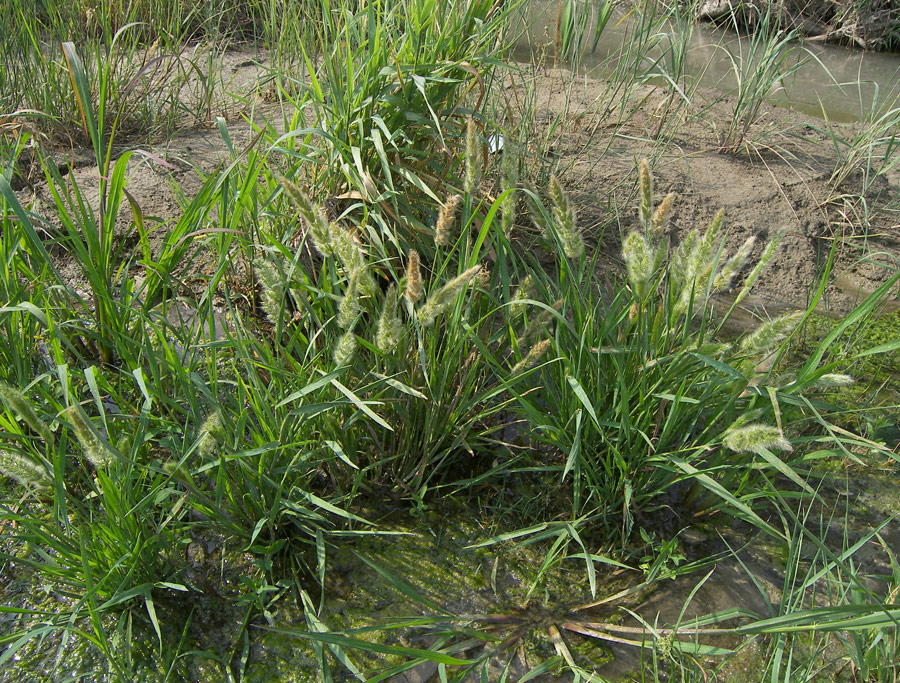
(767, 255)
(345, 348)
(271, 288)
(640, 261)
(344, 246)
(834, 380)
(390, 329)
(662, 214)
(508, 203)
(539, 326)
(483, 281)
(733, 266)
(20, 405)
(646, 206)
(349, 306)
(764, 338)
(524, 291)
(445, 298)
(754, 438)
(24, 470)
(95, 451)
(564, 220)
(212, 433)
(317, 225)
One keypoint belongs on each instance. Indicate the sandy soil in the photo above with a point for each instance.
(779, 182)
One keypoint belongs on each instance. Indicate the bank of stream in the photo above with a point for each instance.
(433, 576)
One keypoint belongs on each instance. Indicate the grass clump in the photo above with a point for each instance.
(650, 409)
(341, 328)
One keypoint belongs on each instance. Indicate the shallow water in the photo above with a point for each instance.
(835, 82)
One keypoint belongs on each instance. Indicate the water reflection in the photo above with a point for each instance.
(835, 82)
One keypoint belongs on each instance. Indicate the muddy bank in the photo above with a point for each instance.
(778, 181)
(586, 132)
(869, 25)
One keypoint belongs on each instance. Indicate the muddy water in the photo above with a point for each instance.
(837, 83)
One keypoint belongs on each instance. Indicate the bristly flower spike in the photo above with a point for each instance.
(414, 287)
(508, 203)
(345, 349)
(16, 400)
(833, 380)
(661, 216)
(271, 288)
(640, 263)
(767, 255)
(212, 433)
(564, 220)
(24, 470)
(443, 231)
(390, 329)
(762, 340)
(733, 266)
(754, 438)
(94, 450)
(444, 298)
(317, 224)
(524, 291)
(349, 306)
(646, 206)
(531, 358)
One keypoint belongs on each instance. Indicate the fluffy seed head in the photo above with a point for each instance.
(662, 214)
(346, 249)
(646, 207)
(484, 278)
(345, 348)
(564, 220)
(524, 291)
(640, 261)
(444, 298)
(443, 231)
(94, 450)
(508, 203)
(753, 438)
(212, 433)
(764, 338)
(24, 470)
(733, 266)
(313, 217)
(271, 288)
(390, 329)
(833, 380)
(539, 325)
(531, 358)
(349, 307)
(20, 405)
(767, 255)
(414, 288)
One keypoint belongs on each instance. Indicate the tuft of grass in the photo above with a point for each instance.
(380, 122)
(759, 63)
(647, 403)
(872, 149)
